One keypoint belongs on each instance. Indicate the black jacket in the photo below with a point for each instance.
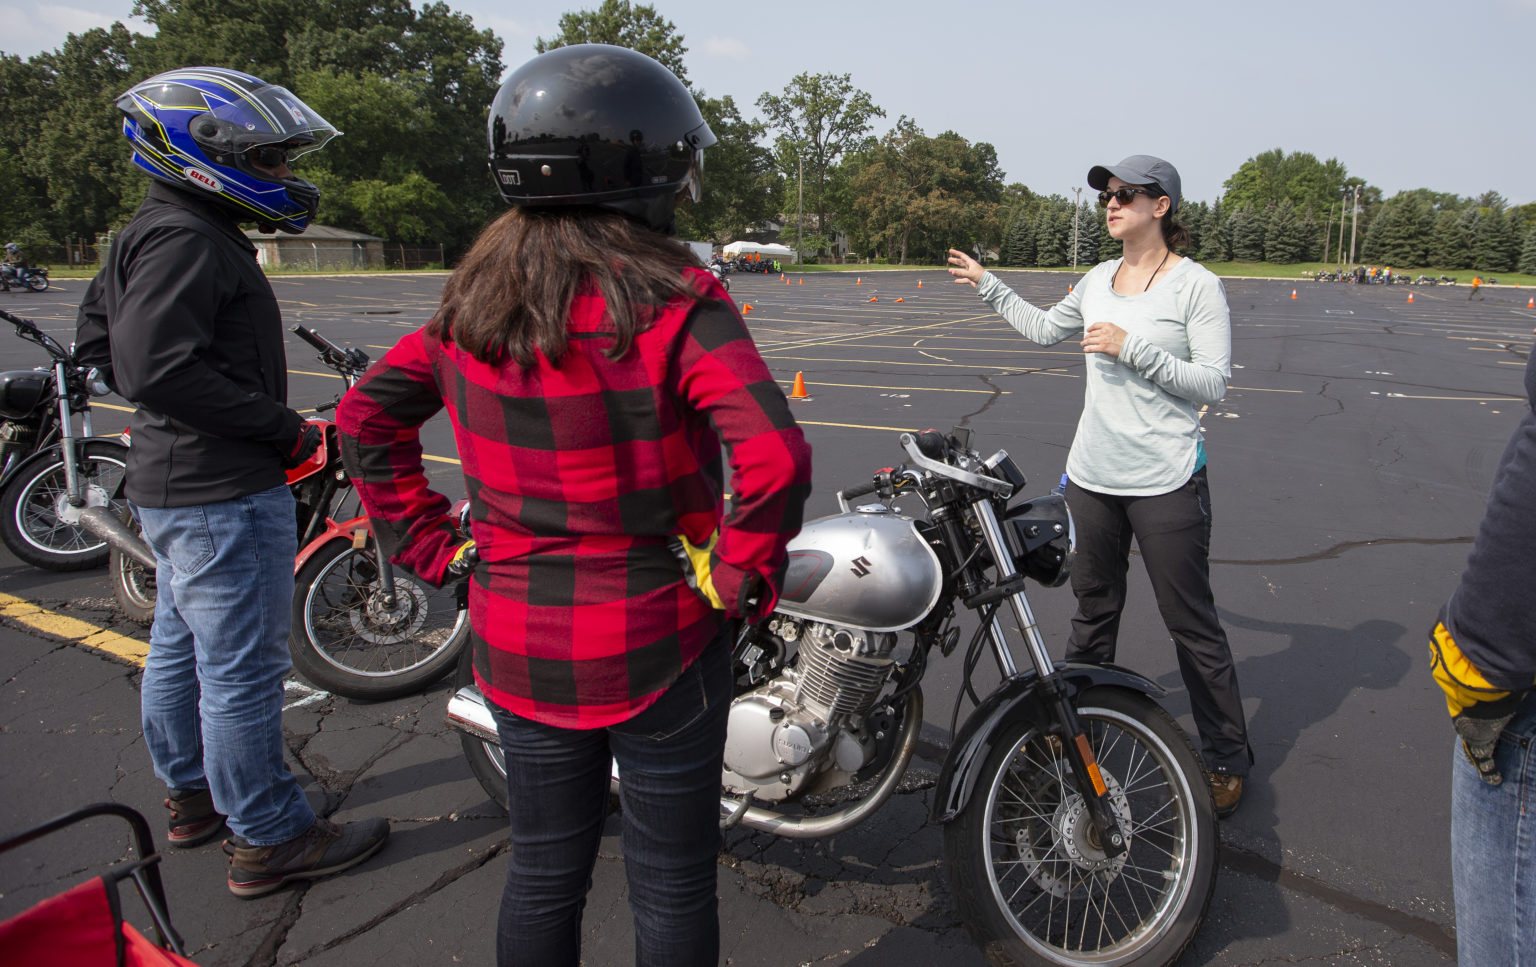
(193, 336)
(1492, 614)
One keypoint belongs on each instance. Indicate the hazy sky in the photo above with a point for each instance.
(1408, 94)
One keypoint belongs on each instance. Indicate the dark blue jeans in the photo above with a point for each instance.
(669, 759)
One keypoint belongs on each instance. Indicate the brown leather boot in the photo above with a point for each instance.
(1227, 791)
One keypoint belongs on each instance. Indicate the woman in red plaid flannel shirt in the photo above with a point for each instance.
(591, 370)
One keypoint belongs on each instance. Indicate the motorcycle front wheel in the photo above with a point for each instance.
(38, 523)
(133, 584)
(37, 283)
(486, 760)
(1022, 858)
(349, 641)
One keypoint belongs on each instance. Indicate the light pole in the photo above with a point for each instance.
(799, 209)
(1075, 208)
(1343, 195)
(1354, 223)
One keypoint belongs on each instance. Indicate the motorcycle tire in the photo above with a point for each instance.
(485, 758)
(34, 511)
(37, 283)
(133, 584)
(1030, 884)
(344, 641)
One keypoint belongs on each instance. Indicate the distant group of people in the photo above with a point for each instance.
(592, 637)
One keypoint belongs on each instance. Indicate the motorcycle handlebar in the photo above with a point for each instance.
(27, 329)
(342, 360)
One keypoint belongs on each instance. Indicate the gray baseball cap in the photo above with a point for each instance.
(1140, 169)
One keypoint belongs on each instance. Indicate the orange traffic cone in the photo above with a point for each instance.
(798, 392)
(1069, 290)
(919, 283)
(1293, 293)
(1410, 298)
(1530, 303)
(781, 276)
(746, 307)
(860, 281)
(874, 298)
(802, 282)
(898, 300)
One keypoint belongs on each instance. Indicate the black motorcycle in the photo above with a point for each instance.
(23, 277)
(50, 474)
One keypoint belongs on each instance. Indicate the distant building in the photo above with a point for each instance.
(321, 247)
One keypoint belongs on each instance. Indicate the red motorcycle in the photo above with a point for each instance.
(361, 628)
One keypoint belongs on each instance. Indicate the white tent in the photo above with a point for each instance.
(770, 251)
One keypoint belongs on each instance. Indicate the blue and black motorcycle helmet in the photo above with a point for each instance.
(599, 126)
(193, 127)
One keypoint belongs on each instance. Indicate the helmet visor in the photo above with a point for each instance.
(272, 115)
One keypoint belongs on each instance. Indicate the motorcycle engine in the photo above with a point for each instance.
(805, 729)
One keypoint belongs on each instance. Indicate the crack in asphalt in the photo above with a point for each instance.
(1340, 549)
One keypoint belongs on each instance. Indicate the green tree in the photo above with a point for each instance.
(1450, 244)
(637, 26)
(1274, 176)
(1053, 232)
(1109, 246)
(1216, 237)
(1284, 240)
(819, 118)
(1247, 231)
(1087, 234)
(1528, 253)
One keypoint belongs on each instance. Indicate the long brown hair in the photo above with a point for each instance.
(512, 294)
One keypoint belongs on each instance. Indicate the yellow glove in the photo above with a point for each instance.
(463, 564)
(698, 570)
(1479, 711)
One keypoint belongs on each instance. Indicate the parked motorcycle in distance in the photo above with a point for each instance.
(361, 629)
(50, 473)
(33, 277)
(1078, 824)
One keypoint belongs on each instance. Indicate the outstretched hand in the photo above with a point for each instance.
(965, 269)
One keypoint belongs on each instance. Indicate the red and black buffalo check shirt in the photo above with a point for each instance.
(581, 472)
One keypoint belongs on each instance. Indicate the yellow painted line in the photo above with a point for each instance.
(73, 629)
(886, 362)
(925, 389)
(113, 406)
(428, 456)
(305, 372)
(857, 426)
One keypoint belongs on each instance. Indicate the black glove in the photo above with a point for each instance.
(464, 562)
(1479, 726)
(304, 447)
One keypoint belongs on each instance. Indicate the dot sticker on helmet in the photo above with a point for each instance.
(298, 116)
(202, 179)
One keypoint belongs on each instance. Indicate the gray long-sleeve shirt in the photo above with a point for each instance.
(1140, 430)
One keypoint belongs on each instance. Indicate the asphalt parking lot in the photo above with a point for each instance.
(1349, 464)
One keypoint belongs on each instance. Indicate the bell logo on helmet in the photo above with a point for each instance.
(298, 116)
(202, 179)
(510, 177)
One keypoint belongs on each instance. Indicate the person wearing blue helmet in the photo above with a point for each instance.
(184, 323)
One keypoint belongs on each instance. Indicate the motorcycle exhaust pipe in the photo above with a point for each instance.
(468, 712)
(830, 824)
(104, 524)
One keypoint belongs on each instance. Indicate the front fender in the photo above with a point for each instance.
(335, 530)
(1016, 698)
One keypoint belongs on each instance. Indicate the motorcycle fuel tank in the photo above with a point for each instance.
(868, 569)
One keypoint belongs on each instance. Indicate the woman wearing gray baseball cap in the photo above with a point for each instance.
(1157, 334)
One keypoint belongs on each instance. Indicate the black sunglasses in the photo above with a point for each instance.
(1123, 195)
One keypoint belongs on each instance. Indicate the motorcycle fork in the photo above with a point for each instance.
(74, 486)
(1079, 752)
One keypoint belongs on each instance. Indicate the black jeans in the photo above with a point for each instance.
(669, 760)
(1173, 533)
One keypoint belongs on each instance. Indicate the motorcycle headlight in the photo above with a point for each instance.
(1042, 538)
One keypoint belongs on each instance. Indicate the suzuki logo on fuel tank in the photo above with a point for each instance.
(860, 567)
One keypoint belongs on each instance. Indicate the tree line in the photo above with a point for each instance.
(410, 87)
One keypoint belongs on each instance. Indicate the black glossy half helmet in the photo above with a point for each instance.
(597, 125)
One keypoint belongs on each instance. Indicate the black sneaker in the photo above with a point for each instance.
(322, 849)
(194, 821)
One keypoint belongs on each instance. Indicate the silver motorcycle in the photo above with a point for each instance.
(1078, 826)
